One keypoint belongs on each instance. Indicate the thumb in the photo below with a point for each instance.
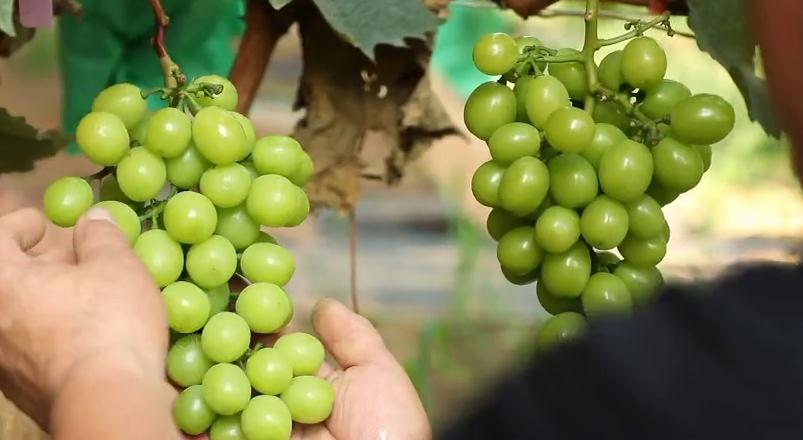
(347, 336)
(97, 238)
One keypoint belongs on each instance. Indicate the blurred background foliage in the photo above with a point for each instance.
(427, 275)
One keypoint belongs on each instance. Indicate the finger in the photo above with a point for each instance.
(56, 246)
(22, 230)
(98, 239)
(349, 337)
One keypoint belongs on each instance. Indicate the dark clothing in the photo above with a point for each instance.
(723, 361)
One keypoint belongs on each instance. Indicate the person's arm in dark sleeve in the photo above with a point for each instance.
(725, 363)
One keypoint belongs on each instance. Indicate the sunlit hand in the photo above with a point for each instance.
(67, 311)
(374, 398)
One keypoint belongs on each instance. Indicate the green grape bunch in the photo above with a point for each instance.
(192, 188)
(581, 166)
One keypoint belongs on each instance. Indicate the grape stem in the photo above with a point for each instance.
(554, 13)
(590, 46)
(638, 28)
(173, 77)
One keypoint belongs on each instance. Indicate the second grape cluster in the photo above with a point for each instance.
(191, 187)
(580, 172)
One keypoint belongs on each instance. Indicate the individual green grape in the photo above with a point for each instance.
(557, 229)
(512, 141)
(705, 154)
(211, 262)
(266, 418)
(227, 428)
(169, 132)
(250, 135)
(67, 199)
(545, 94)
(646, 217)
(304, 351)
(102, 137)
(606, 294)
(110, 190)
(643, 63)
(569, 130)
(500, 222)
(269, 371)
(490, 106)
(187, 306)
(189, 217)
(191, 413)
(677, 166)
(643, 253)
(495, 54)
(517, 251)
(186, 361)
(226, 99)
(559, 329)
(272, 201)
(301, 208)
(235, 225)
(226, 389)
(572, 181)
(555, 305)
(660, 101)
(219, 136)
(625, 171)
(520, 280)
(604, 223)
(138, 134)
(520, 91)
(485, 183)
(124, 217)
(219, 298)
(280, 155)
(226, 186)
(642, 283)
(606, 136)
(662, 194)
(610, 71)
(265, 307)
(225, 337)
(310, 399)
(141, 175)
(572, 75)
(566, 274)
(702, 119)
(266, 262)
(524, 186)
(185, 171)
(305, 170)
(124, 101)
(161, 255)
(611, 112)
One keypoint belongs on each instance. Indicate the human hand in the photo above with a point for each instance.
(374, 398)
(68, 310)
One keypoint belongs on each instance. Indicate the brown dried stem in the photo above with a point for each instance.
(173, 78)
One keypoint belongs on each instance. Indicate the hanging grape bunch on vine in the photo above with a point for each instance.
(191, 186)
(583, 158)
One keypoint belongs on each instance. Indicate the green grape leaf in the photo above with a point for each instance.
(722, 28)
(7, 17)
(21, 145)
(367, 24)
(279, 4)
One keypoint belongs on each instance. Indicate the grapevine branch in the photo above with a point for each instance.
(637, 28)
(553, 13)
(590, 46)
(173, 78)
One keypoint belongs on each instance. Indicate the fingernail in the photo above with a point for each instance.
(100, 214)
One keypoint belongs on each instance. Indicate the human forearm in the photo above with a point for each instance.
(112, 399)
